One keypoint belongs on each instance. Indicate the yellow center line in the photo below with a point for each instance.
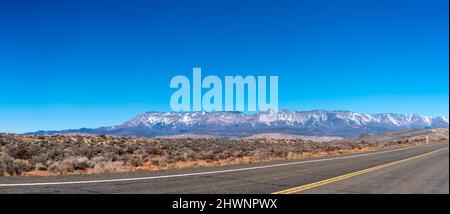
(349, 175)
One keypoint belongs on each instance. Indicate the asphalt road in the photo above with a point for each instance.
(422, 169)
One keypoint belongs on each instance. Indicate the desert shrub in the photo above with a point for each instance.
(138, 151)
(162, 161)
(130, 148)
(6, 165)
(98, 159)
(2, 140)
(20, 151)
(87, 151)
(38, 159)
(279, 152)
(146, 157)
(21, 166)
(164, 145)
(114, 150)
(238, 154)
(260, 155)
(228, 153)
(153, 151)
(189, 155)
(123, 158)
(70, 164)
(9, 166)
(135, 161)
(56, 153)
(77, 162)
(57, 167)
(107, 167)
(176, 158)
(40, 166)
(111, 156)
(208, 155)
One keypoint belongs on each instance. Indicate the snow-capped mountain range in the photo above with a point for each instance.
(237, 124)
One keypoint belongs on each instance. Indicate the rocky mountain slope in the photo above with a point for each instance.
(237, 124)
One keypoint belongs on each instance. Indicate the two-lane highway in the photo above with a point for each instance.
(421, 169)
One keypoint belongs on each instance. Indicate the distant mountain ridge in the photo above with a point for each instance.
(237, 124)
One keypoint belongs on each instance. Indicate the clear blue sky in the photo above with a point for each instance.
(72, 64)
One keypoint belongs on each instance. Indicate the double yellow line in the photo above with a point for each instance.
(349, 175)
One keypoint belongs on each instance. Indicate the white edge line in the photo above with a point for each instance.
(206, 173)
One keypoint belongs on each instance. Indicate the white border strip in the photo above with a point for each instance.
(205, 173)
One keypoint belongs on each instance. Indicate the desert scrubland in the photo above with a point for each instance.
(45, 155)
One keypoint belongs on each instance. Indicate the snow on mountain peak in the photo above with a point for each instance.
(287, 118)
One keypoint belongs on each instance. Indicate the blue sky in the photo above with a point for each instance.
(72, 64)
